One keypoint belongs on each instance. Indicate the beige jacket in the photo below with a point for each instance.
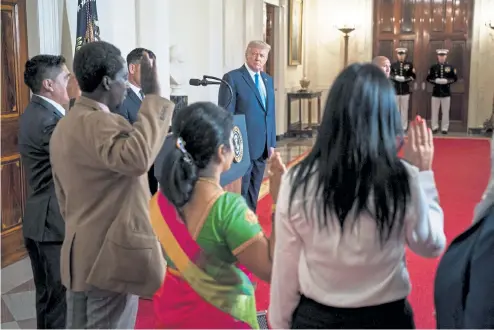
(100, 164)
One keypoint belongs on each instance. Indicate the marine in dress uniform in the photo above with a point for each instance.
(441, 75)
(402, 73)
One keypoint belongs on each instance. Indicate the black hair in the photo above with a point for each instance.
(136, 55)
(42, 67)
(95, 60)
(354, 162)
(202, 127)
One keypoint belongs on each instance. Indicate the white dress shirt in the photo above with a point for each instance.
(136, 90)
(55, 104)
(261, 81)
(350, 269)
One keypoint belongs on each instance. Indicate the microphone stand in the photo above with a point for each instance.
(222, 81)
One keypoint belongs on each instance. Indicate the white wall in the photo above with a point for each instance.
(212, 33)
(325, 49)
(214, 37)
(196, 26)
(481, 97)
(324, 58)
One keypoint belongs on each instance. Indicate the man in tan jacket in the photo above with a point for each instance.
(110, 255)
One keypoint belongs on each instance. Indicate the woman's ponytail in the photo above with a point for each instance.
(179, 175)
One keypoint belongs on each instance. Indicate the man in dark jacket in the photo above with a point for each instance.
(43, 227)
(132, 103)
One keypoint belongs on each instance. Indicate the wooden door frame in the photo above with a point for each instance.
(21, 52)
(271, 63)
(463, 125)
(423, 36)
(281, 49)
(14, 235)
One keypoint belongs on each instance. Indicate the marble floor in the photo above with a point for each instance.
(18, 296)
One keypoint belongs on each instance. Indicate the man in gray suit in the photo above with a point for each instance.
(43, 227)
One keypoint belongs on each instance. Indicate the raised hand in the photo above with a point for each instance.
(419, 150)
(276, 169)
(149, 76)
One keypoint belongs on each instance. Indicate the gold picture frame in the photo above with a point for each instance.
(295, 30)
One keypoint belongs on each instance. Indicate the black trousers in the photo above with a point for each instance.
(312, 315)
(51, 305)
(153, 182)
(251, 181)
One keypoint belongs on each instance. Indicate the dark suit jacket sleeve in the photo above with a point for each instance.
(274, 111)
(392, 73)
(60, 195)
(413, 75)
(430, 75)
(46, 132)
(452, 76)
(124, 112)
(479, 307)
(224, 94)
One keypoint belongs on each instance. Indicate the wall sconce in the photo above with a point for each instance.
(346, 30)
(490, 24)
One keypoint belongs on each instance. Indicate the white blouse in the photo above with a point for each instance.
(351, 269)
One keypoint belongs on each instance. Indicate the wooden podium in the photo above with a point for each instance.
(231, 180)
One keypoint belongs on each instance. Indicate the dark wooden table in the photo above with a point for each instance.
(299, 128)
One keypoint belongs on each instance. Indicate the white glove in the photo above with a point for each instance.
(438, 81)
(400, 78)
(444, 81)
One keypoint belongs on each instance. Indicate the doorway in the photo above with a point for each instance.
(268, 34)
(15, 97)
(422, 27)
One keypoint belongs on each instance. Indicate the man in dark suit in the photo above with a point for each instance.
(253, 96)
(132, 103)
(43, 227)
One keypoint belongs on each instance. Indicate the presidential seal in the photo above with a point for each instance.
(238, 145)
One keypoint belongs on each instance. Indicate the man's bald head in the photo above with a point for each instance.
(384, 63)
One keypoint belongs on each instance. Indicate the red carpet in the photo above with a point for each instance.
(462, 169)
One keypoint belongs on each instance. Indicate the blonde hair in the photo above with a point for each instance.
(258, 44)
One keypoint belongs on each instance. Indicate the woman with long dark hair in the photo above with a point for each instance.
(346, 212)
(206, 232)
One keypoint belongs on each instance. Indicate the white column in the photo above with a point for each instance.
(281, 39)
(50, 26)
(44, 19)
(234, 42)
(216, 16)
(152, 32)
(253, 20)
